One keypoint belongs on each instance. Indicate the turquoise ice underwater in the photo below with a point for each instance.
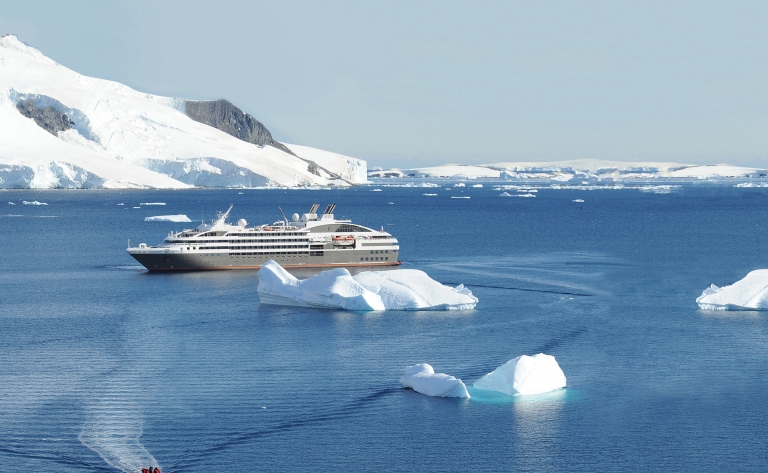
(107, 367)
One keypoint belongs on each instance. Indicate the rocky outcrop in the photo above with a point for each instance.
(47, 118)
(224, 116)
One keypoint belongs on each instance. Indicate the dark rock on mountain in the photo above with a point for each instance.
(47, 117)
(224, 116)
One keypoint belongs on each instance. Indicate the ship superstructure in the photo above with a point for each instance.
(305, 241)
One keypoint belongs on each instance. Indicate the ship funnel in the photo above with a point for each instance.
(329, 209)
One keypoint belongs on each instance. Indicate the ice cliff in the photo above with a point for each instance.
(63, 129)
(750, 293)
(403, 289)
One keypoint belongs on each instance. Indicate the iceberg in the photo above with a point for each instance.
(152, 203)
(332, 289)
(168, 218)
(423, 379)
(750, 293)
(524, 375)
(579, 201)
(411, 289)
(34, 202)
(404, 289)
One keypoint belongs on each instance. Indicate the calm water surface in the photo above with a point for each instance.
(105, 367)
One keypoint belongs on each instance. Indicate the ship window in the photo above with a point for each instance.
(387, 258)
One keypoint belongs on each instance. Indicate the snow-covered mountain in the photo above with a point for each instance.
(578, 170)
(59, 128)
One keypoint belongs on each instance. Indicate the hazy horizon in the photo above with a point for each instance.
(408, 85)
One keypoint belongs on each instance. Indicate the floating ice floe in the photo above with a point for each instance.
(168, 218)
(750, 293)
(34, 202)
(403, 289)
(152, 203)
(581, 201)
(524, 375)
(477, 185)
(121, 203)
(459, 197)
(459, 184)
(11, 203)
(423, 379)
(375, 190)
(430, 195)
(530, 191)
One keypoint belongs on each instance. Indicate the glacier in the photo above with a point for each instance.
(401, 289)
(749, 293)
(524, 375)
(110, 136)
(423, 379)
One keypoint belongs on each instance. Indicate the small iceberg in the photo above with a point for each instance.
(459, 184)
(477, 185)
(460, 197)
(750, 293)
(152, 203)
(34, 202)
(430, 195)
(11, 203)
(423, 379)
(375, 190)
(121, 203)
(524, 375)
(402, 289)
(505, 194)
(168, 218)
(581, 201)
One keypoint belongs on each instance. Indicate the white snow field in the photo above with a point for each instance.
(524, 375)
(168, 218)
(404, 289)
(122, 138)
(423, 379)
(750, 293)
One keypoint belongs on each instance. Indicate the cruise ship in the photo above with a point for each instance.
(307, 241)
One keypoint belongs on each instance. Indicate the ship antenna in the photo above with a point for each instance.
(284, 217)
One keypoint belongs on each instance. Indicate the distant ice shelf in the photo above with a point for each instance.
(749, 293)
(168, 218)
(401, 289)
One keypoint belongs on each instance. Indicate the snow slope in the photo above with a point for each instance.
(122, 138)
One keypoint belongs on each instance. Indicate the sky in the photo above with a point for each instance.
(421, 83)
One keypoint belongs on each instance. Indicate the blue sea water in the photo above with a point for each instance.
(105, 367)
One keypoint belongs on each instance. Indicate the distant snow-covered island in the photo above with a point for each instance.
(61, 129)
(586, 171)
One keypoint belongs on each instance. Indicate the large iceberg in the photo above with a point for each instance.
(423, 379)
(524, 375)
(750, 293)
(404, 289)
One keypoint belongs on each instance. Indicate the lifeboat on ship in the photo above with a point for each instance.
(343, 240)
